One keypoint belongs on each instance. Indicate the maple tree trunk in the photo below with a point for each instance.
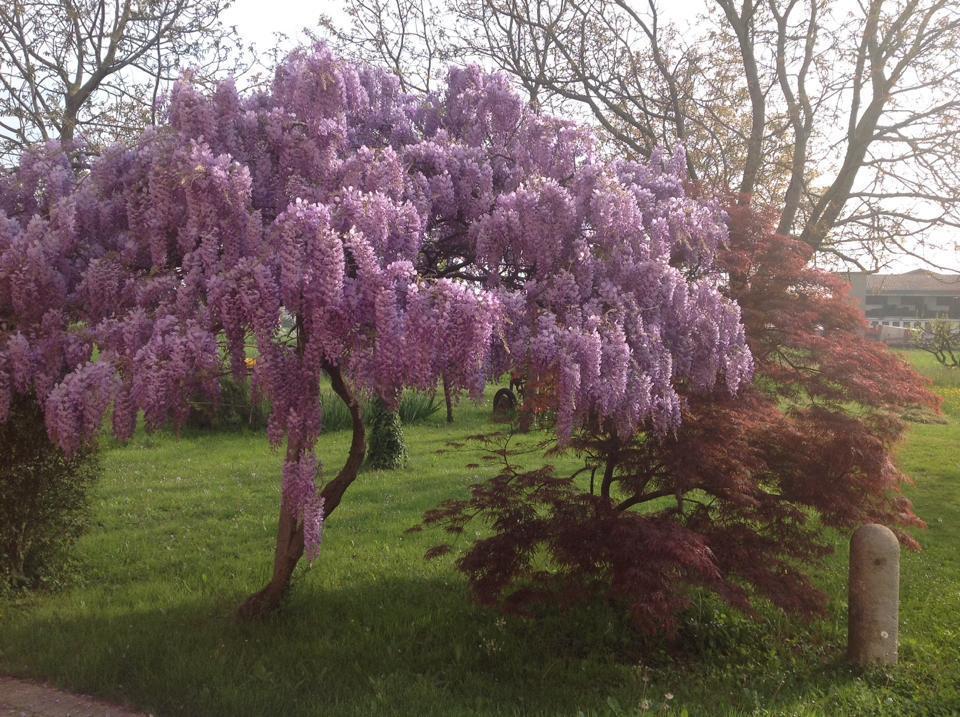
(290, 529)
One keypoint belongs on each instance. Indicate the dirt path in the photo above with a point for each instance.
(19, 698)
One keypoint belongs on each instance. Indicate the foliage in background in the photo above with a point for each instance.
(237, 407)
(336, 415)
(736, 500)
(414, 407)
(417, 406)
(387, 449)
(43, 498)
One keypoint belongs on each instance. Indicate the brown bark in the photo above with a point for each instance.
(288, 552)
(799, 110)
(333, 491)
(290, 530)
(742, 24)
(448, 398)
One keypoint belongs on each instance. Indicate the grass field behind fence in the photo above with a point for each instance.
(183, 531)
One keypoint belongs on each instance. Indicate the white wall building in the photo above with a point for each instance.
(897, 305)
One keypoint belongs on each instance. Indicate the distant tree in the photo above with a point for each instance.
(95, 71)
(943, 341)
(736, 500)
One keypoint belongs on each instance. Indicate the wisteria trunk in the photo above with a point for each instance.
(290, 529)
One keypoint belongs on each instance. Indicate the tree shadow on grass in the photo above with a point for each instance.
(387, 647)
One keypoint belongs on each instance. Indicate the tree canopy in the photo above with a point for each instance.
(341, 228)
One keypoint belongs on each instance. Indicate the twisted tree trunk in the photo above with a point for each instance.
(290, 529)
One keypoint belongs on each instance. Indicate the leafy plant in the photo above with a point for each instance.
(43, 498)
(417, 406)
(737, 498)
(387, 449)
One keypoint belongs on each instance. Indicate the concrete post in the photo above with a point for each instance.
(874, 601)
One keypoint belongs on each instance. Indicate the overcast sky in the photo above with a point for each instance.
(258, 21)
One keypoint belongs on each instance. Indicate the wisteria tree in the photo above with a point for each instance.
(342, 229)
(169, 257)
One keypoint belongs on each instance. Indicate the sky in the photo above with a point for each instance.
(258, 21)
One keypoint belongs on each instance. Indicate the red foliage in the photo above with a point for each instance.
(737, 500)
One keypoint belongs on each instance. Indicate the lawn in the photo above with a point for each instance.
(184, 528)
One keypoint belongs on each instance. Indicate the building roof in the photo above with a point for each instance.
(911, 282)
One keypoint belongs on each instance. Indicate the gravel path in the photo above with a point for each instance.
(20, 698)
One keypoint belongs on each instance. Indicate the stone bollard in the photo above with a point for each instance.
(874, 600)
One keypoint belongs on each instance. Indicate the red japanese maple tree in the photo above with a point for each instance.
(736, 500)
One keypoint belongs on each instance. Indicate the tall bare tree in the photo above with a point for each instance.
(93, 70)
(842, 116)
(407, 36)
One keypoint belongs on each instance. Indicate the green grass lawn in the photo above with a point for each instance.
(184, 528)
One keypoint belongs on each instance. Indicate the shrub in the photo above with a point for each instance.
(387, 448)
(43, 498)
(417, 406)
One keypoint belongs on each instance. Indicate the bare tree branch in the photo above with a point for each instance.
(88, 72)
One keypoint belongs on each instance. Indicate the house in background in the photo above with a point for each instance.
(897, 305)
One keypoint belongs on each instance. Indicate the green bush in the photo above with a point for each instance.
(415, 407)
(43, 499)
(387, 449)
